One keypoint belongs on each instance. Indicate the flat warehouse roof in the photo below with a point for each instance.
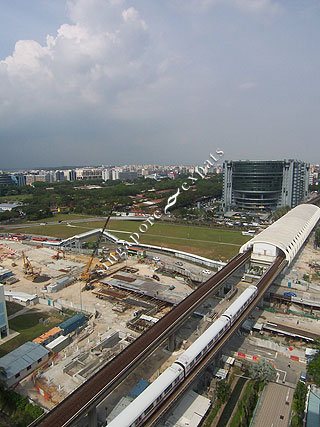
(290, 231)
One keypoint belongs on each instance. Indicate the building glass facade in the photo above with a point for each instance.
(264, 185)
(5, 179)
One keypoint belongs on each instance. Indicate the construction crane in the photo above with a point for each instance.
(87, 275)
(28, 268)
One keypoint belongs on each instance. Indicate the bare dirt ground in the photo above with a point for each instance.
(52, 378)
(307, 256)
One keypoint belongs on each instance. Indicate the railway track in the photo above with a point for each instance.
(314, 200)
(262, 286)
(92, 392)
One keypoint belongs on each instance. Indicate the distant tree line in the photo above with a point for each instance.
(44, 197)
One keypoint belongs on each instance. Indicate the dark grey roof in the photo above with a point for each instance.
(146, 287)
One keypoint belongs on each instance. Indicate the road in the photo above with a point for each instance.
(287, 370)
(185, 268)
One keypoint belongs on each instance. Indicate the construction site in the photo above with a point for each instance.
(120, 303)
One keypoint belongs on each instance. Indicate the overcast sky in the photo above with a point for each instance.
(148, 81)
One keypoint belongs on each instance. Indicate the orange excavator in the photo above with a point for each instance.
(57, 255)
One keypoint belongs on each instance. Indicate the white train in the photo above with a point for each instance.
(151, 398)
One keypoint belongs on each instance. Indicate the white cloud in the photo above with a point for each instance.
(103, 53)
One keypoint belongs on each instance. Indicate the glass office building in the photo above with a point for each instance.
(5, 179)
(264, 185)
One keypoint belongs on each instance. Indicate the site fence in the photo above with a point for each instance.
(61, 304)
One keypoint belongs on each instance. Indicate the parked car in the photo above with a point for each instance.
(179, 263)
(156, 258)
(289, 294)
(206, 272)
(303, 377)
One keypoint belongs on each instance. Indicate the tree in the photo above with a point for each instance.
(280, 212)
(262, 371)
(299, 397)
(223, 391)
(313, 369)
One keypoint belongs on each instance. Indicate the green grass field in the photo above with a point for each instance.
(217, 251)
(59, 230)
(17, 198)
(13, 307)
(29, 327)
(211, 243)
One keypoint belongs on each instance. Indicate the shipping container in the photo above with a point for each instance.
(73, 323)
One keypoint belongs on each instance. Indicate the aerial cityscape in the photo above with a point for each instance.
(159, 213)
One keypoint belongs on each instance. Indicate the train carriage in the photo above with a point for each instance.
(202, 344)
(144, 405)
(237, 307)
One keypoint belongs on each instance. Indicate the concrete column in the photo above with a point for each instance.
(171, 343)
(92, 417)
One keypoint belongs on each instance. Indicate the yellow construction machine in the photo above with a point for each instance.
(28, 269)
(87, 275)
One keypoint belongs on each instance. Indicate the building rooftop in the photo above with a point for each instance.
(21, 358)
(71, 321)
(290, 231)
(313, 415)
(52, 332)
(190, 410)
(145, 287)
(8, 206)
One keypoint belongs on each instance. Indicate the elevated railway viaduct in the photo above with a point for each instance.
(276, 246)
(85, 398)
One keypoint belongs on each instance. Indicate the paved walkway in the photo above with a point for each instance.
(19, 313)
